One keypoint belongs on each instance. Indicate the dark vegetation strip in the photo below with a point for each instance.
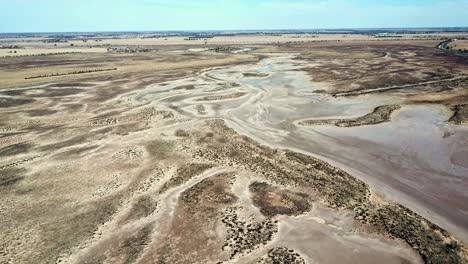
(380, 114)
(460, 115)
(15, 55)
(70, 73)
(444, 46)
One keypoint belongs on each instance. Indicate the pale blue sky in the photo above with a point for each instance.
(134, 15)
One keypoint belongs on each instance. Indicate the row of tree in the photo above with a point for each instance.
(69, 73)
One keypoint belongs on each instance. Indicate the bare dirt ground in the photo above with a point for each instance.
(459, 44)
(184, 156)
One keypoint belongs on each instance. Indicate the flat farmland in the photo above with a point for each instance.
(335, 148)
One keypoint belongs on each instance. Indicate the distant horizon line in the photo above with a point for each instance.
(457, 28)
